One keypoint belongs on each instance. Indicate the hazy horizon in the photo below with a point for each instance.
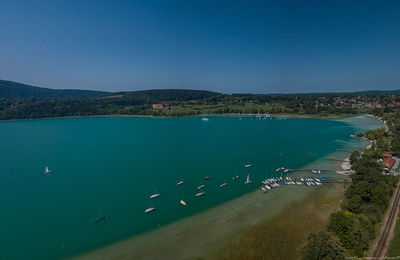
(240, 47)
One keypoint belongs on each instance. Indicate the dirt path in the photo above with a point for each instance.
(381, 244)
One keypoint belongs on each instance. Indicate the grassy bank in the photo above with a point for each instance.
(283, 236)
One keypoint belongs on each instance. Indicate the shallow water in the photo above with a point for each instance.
(116, 163)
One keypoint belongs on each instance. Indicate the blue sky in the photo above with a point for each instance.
(225, 46)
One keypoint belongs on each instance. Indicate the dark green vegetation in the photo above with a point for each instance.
(10, 89)
(19, 101)
(366, 198)
(363, 208)
(324, 245)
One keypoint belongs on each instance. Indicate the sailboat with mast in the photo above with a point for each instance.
(201, 193)
(47, 170)
(182, 181)
(248, 181)
(223, 184)
(155, 194)
(202, 185)
(150, 208)
(101, 217)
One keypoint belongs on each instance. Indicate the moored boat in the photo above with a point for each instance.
(182, 181)
(150, 208)
(46, 170)
(248, 179)
(155, 194)
(101, 217)
(201, 193)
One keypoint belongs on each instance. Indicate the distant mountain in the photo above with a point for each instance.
(10, 89)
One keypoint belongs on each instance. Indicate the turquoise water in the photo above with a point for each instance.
(115, 163)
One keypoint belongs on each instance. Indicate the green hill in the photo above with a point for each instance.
(10, 89)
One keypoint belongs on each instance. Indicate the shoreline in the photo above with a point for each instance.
(276, 115)
(215, 227)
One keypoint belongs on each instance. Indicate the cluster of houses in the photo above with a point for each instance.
(349, 101)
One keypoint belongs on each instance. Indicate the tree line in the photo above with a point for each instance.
(351, 230)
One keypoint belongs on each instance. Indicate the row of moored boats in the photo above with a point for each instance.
(200, 191)
(274, 182)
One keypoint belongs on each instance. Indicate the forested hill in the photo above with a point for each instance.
(14, 90)
(162, 95)
(10, 89)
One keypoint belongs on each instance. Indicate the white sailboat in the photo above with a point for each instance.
(223, 184)
(248, 179)
(201, 186)
(150, 208)
(46, 170)
(247, 165)
(155, 194)
(180, 182)
(201, 193)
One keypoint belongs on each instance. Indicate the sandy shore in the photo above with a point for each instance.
(346, 164)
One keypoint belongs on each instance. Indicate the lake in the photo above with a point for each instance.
(113, 164)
